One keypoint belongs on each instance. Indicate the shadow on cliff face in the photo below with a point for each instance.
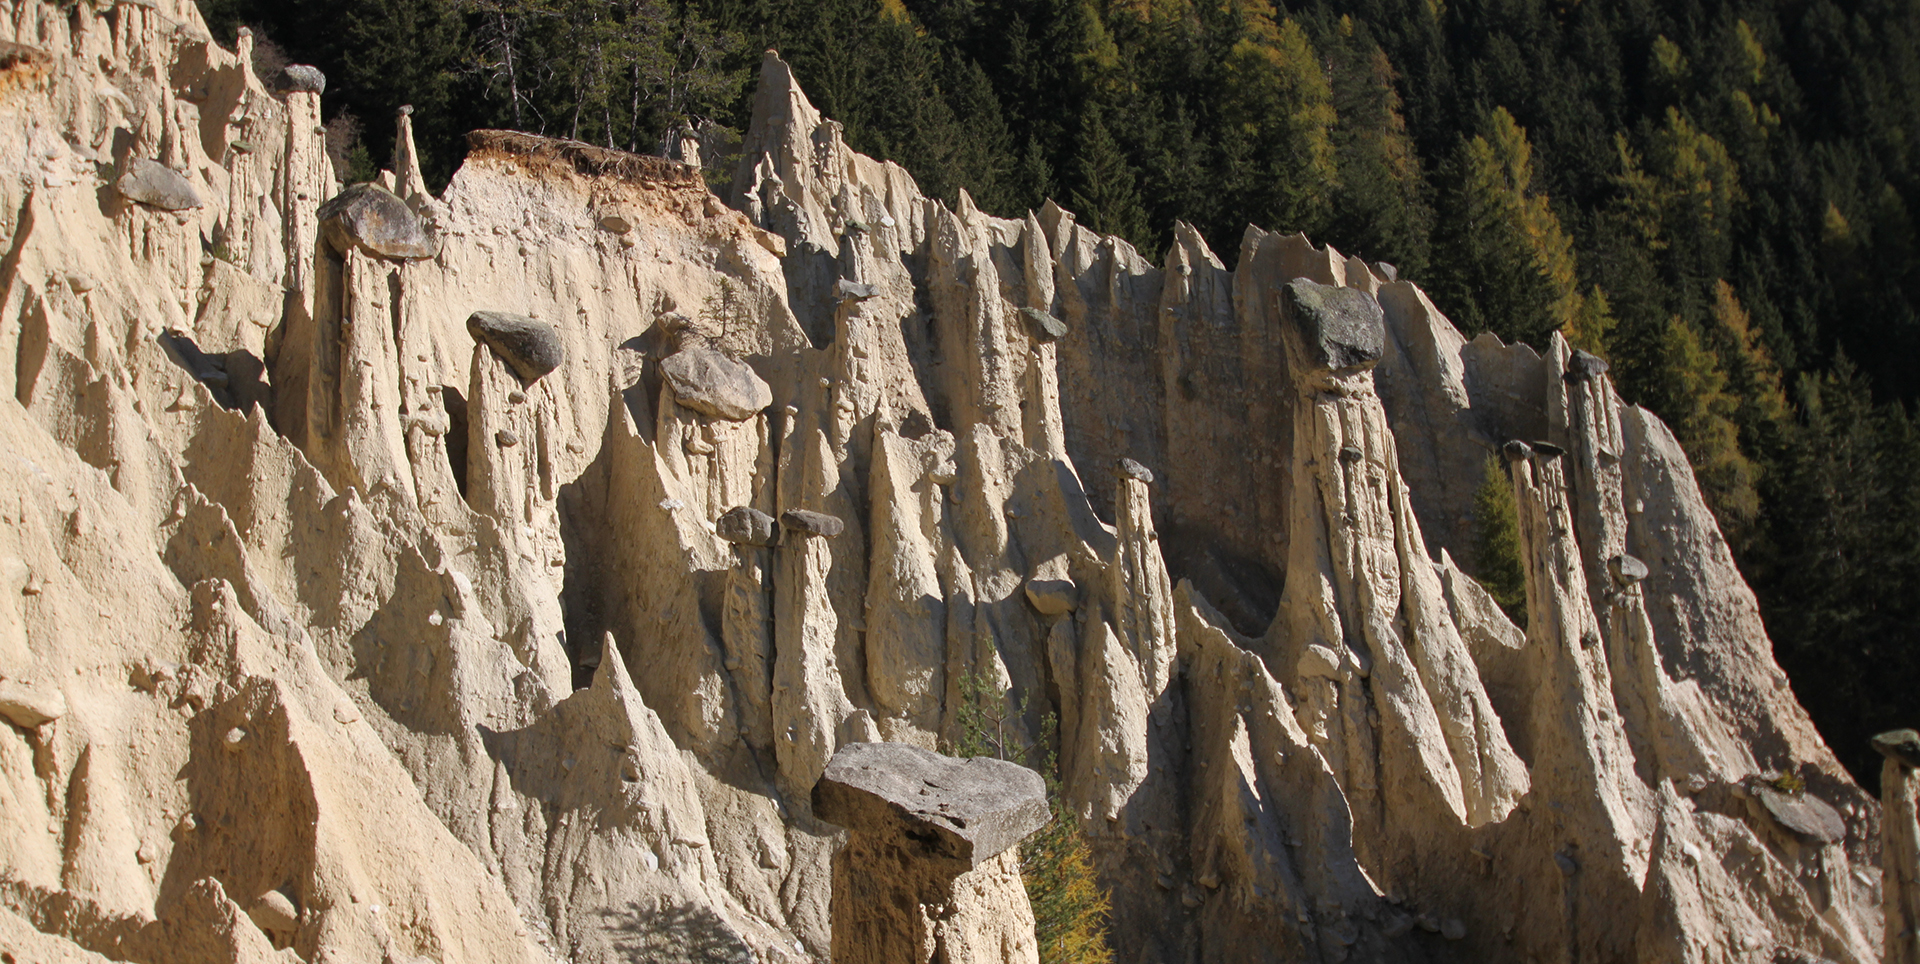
(674, 934)
(1244, 589)
(236, 378)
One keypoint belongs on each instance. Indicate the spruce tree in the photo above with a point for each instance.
(1505, 263)
(1380, 209)
(1276, 91)
(1107, 197)
(1838, 593)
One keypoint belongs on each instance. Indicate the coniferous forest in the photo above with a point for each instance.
(1715, 195)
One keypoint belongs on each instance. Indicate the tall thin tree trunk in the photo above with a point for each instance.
(508, 36)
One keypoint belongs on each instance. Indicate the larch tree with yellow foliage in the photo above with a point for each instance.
(1279, 101)
(1504, 263)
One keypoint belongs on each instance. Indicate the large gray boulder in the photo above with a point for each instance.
(964, 810)
(1627, 570)
(1129, 469)
(1339, 328)
(302, 78)
(1584, 365)
(375, 221)
(157, 185)
(711, 383)
(1053, 597)
(809, 522)
(530, 347)
(747, 526)
(844, 290)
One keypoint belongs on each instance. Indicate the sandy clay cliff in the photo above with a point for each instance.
(341, 623)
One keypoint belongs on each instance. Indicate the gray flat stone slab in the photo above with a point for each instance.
(969, 810)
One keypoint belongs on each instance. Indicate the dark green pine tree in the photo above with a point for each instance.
(1381, 211)
(1106, 196)
(1838, 587)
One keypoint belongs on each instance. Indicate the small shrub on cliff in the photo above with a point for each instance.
(1070, 909)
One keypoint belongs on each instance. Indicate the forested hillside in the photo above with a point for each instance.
(1715, 196)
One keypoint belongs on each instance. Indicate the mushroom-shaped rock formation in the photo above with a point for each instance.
(1053, 597)
(943, 807)
(375, 220)
(1900, 746)
(1129, 469)
(1627, 570)
(711, 383)
(157, 185)
(845, 290)
(929, 872)
(1340, 328)
(530, 347)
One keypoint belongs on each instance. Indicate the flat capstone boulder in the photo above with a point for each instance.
(156, 185)
(1900, 746)
(713, 384)
(845, 290)
(1340, 328)
(747, 526)
(1803, 813)
(303, 78)
(1045, 326)
(1627, 569)
(966, 810)
(1129, 469)
(529, 346)
(1583, 365)
(374, 220)
(812, 523)
(1053, 597)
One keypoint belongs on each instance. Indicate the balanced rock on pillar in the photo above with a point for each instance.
(375, 220)
(529, 346)
(1899, 846)
(1340, 328)
(302, 78)
(1900, 746)
(930, 872)
(808, 522)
